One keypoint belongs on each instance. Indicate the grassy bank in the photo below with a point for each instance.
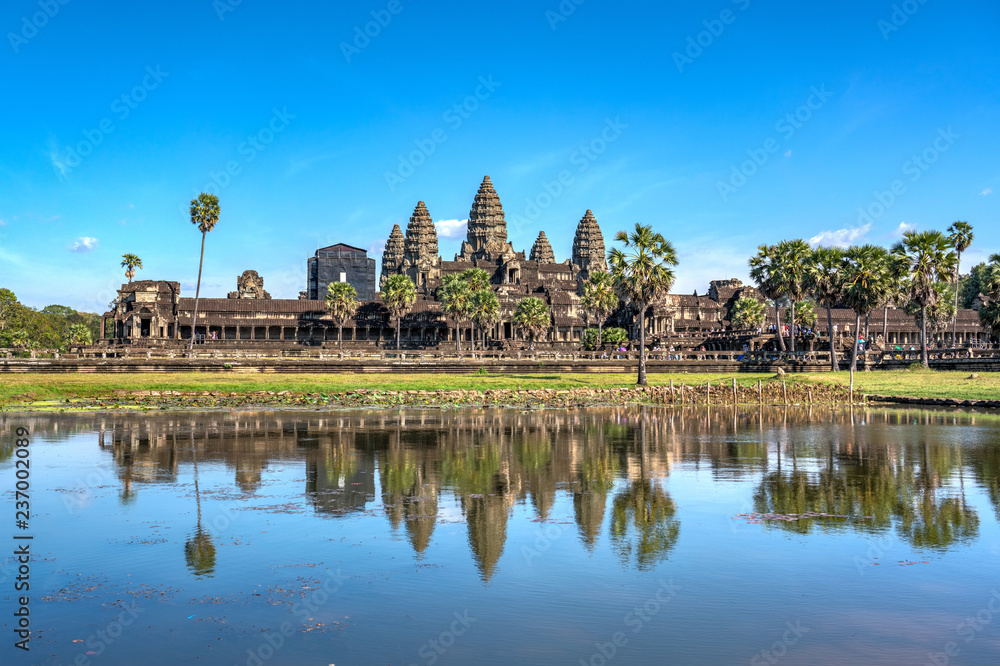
(24, 389)
(918, 383)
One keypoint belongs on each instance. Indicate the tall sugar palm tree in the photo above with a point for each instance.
(765, 270)
(485, 311)
(961, 237)
(398, 294)
(927, 257)
(867, 273)
(455, 297)
(792, 264)
(204, 213)
(643, 273)
(599, 299)
(531, 315)
(130, 262)
(342, 302)
(826, 285)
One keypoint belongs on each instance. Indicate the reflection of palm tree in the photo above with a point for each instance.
(643, 513)
(199, 551)
(596, 478)
(407, 497)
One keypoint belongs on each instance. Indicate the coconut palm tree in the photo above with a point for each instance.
(599, 299)
(826, 286)
(455, 297)
(399, 294)
(927, 257)
(643, 273)
(485, 311)
(130, 262)
(531, 315)
(961, 237)
(764, 270)
(792, 273)
(342, 302)
(867, 272)
(205, 214)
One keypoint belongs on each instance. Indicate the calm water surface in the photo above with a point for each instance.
(591, 536)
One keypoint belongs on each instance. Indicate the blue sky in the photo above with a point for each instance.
(724, 124)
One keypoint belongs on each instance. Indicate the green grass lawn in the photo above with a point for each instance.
(22, 388)
(62, 386)
(919, 383)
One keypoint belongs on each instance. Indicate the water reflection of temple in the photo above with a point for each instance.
(609, 463)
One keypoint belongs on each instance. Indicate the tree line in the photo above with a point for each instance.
(920, 274)
(53, 327)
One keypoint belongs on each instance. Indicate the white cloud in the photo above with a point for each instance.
(3, 223)
(451, 228)
(788, 153)
(83, 244)
(987, 192)
(840, 237)
(902, 229)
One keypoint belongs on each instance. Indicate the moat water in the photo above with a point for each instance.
(587, 536)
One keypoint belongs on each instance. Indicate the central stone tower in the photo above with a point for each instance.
(487, 236)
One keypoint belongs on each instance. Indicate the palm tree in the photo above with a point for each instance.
(476, 278)
(131, 262)
(342, 302)
(764, 271)
(531, 315)
(805, 315)
(599, 299)
(485, 311)
(20, 339)
(204, 213)
(792, 264)
(867, 273)
(826, 285)
(399, 294)
(927, 257)
(455, 297)
(642, 276)
(961, 238)
(747, 313)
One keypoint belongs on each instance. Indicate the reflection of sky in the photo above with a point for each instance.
(549, 600)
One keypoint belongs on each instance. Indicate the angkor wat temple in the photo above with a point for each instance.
(154, 312)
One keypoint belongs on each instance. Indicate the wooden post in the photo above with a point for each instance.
(810, 395)
(682, 395)
(734, 391)
(673, 400)
(708, 393)
(760, 393)
(784, 392)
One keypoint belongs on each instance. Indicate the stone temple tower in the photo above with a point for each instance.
(588, 247)
(420, 247)
(541, 251)
(392, 257)
(487, 235)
